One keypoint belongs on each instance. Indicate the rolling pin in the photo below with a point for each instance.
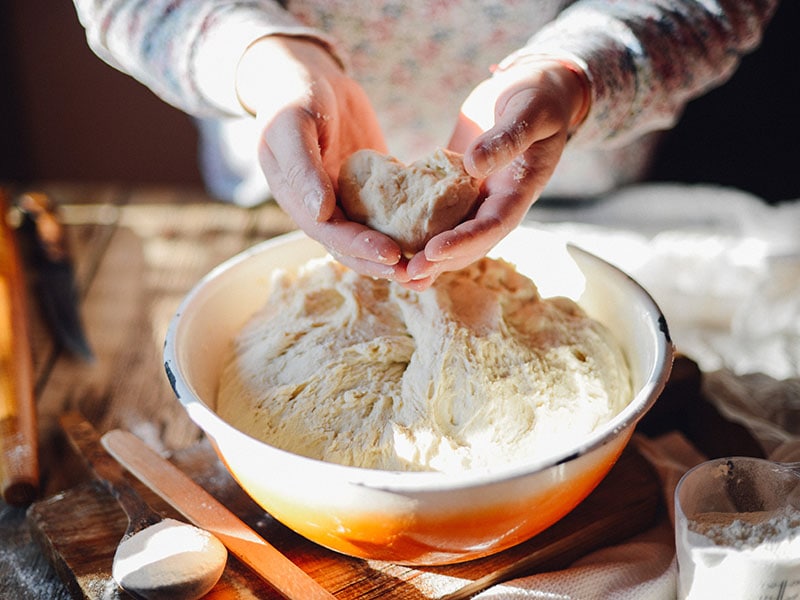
(19, 463)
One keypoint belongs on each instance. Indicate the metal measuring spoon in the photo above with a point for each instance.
(157, 558)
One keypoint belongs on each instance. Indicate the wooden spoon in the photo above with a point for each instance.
(157, 558)
(201, 508)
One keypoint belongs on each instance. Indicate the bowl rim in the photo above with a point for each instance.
(417, 481)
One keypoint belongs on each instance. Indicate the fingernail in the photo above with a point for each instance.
(442, 251)
(483, 160)
(312, 202)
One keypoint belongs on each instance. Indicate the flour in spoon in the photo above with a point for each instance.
(167, 557)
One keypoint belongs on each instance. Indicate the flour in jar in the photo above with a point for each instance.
(742, 555)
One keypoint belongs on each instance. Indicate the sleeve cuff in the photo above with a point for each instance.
(226, 37)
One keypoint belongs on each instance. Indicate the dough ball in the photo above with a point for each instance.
(409, 203)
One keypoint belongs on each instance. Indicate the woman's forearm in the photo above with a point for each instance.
(647, 59)
(185, 51)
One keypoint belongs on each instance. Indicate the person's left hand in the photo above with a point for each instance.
(512, 130)
(312, 115)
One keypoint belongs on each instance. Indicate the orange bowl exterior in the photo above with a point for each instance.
(412, 518)
(436, 529)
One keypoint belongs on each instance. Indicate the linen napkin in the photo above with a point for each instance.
(725, 269)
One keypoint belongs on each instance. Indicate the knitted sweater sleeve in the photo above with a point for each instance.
(185, 51)
(647, 58)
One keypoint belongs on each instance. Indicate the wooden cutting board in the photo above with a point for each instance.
(80, 528)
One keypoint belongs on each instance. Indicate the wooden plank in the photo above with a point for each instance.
(626, 502)
(152, 248)
(201, 509)
(95, 526)
(138, 254)
(24, 570)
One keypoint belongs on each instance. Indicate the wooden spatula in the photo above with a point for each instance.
(202, 509)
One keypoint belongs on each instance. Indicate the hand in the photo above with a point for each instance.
(512, 130)
(312, 116)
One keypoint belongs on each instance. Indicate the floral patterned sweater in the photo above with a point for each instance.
(419, 60)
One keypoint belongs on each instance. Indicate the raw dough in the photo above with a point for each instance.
(474, 373)
(410, 204)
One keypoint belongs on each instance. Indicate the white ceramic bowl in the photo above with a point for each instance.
(415, 518)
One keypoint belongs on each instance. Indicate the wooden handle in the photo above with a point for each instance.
(19, 463)
(86, 441)
(203, 510)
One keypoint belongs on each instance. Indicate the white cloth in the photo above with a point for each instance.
(642, 568)
(725, 269)
(723, 265)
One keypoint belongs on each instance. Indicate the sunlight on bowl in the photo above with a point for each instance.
(415, 518)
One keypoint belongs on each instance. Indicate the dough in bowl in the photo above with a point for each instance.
(410, 204)
(475, 373)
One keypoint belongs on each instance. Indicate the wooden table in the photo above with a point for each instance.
(137, 252)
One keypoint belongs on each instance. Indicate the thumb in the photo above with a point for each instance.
(290, 156)
(517, 126)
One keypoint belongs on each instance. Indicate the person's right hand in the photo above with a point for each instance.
(312, 116)
(512, 130)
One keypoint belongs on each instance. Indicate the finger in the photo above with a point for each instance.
(345, 238)
(509, 195)
(420, 268)
(396, 272)
(290, 153)
(522, 119)
(418, 285)
(496, 217)
(422, 272)
(341, 237)
(290, 156)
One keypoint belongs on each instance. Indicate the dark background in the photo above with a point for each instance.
(65, 115)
